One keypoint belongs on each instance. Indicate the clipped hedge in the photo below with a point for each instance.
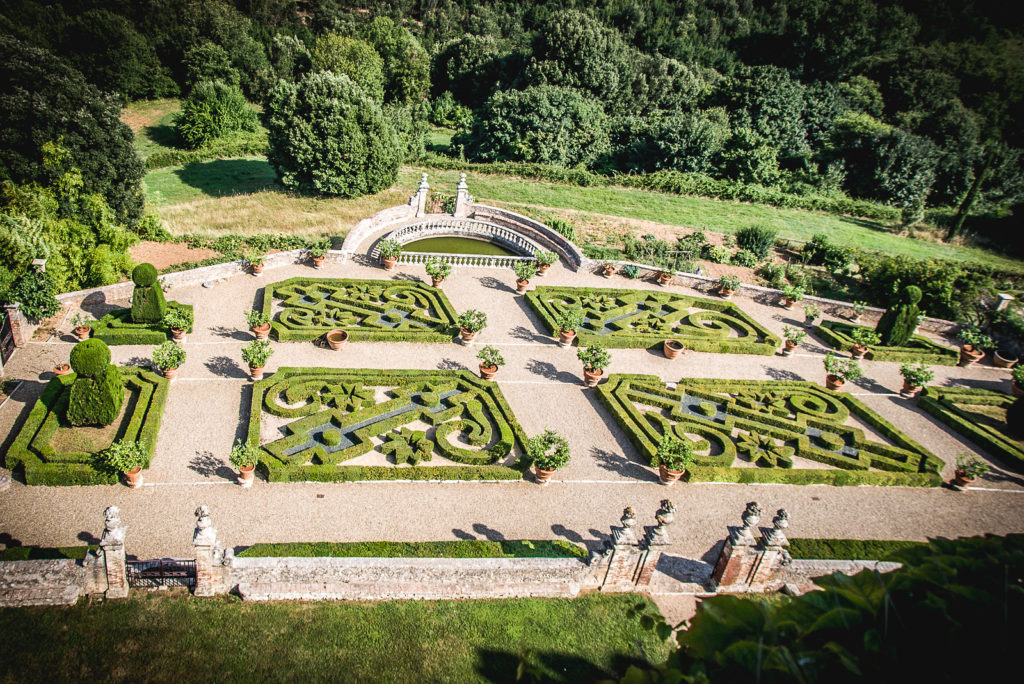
(44, 466)
(23, 553)
(461, 548)
(839, 335)
(849, 549)
(951, 406)
(117, 327)
(646, 318)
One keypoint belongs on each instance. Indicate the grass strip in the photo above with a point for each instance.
(462, 548)
(849, 549)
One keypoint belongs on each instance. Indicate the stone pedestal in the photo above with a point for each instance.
(19, 326)
(655, 540)
(419, 200)
(736, 561)
(462, 198)
(114, 555)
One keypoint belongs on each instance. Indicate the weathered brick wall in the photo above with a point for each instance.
(41, 582)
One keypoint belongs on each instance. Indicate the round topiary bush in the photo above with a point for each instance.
(90, 357)
(148, 303)
(98, 391)
(144, 275)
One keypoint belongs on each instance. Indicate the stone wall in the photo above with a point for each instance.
(42, 582)
(531, 229)
(369, 226)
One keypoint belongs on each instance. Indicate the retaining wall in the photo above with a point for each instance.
(42, 582)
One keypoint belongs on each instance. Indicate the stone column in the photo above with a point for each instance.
(739, 555)
(623, 555)
(207, 552)
(656, 539)
(462, 198)
(19, 326)
(114, 556)
(421, 196)
(773, 553)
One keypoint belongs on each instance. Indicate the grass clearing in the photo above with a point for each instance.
(166, 638)
(152, 122)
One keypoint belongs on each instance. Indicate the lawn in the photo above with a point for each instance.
(171, 638)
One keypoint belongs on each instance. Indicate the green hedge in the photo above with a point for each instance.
(247, 146)
(462, 548)
(117, 328)
(849, 549)
(840, 336)
(44, 466)
(23, 553)
(948, 405)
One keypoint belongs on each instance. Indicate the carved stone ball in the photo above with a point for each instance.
(90, 357)
(144, 275)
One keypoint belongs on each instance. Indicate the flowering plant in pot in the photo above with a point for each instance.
(470, 323)
(244, 456)
(791, 294)
(256, 354)
(490, 360)
(259, 323)
(973, 345)
(180, 321)
(389, 250)
(863, 339)
(1018, 380)
(438, 269)
(595, 359)
(838, 371)
(548, 451)
(544, 260)
(568, 322)
(127, 457)
(811, 314)
(728, 284)
(794, 336)
(255, 262)
(524, 271)
(968, 468)
(81, 324)
(168, 357)
(318, 252)
(915, 377)
(674, 457)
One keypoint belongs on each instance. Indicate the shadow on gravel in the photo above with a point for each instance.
(462, 534)
(242, 429)
(711, 555)
(782, 374)
(493, 283)
(231, 333)
(208, 465)
(141, 362)
(521, 332)
(619, 464)
(548, 371)
(488, 532)
(624, 460)
(575, 537)
(451, 364)
(685, 569)
(870, 385)
(1000, 385)
(225, 367)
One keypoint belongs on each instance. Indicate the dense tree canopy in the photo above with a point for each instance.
(354, 58)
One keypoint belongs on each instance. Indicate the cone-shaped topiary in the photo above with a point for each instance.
(98, 391)
(148, 303)
(897, 324)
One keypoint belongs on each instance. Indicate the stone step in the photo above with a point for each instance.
(39, 596)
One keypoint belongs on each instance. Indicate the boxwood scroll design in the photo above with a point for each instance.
(117, 327)
(768, 422)
(644, 318)
(919, 348)
(400, 311)
(978, 414)
(338, 418)
(44, 465)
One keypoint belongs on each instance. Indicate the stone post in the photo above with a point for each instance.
(655, 540)
(739, 555)
(774, 554)
(462, 198)
(19, 326)
(207, 553)
(421, 196)
(114, 556)
(623, 555)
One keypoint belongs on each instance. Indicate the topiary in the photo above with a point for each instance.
(148, 303)
(898, 323)
(98, 391)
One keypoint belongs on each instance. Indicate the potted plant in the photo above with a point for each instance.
(524, 271)
(664, 276)
(245, 456)
(1018, 381)
(838, 371)
(968, 468)
(595, 359)
(168, 357)
(811, 314)
(336, 339)
(490, 360)
(791, 294)
(672, 348)
(318, 252)
(794, 336)
(974, 343)
(80, 323)
(180, 320)
(548, 451)
(915, 377)
(863, 339)
(608, 269)
(568, 322)
(674, 457)
(1006, 354)
(389, 251)
(728, 284)
(61, 368)
(256, 354)
(259, 323)
(438, 269)
(127, 457)
(544, 260)
(255, 262)
(470, 323)
(858, 311)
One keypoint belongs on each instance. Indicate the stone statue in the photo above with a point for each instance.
(751, 514)
(625, 535)
(113, 530)
(776, 536)
(665, 515)
(205, 533)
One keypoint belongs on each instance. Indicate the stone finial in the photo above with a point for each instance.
(776, 536)
(113, 530)
(751, 514)
(665, 515)
(625, 534)
(462, 182)
(462, 198)
(205, 533)
(424, 185)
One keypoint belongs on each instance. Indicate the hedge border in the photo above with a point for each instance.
(452, 548)
(114, 329)
(275, 471)
(849, 549)
(838, 335)
(941, 402)
(539, 297)
(44, 467)
(283, 333)
(877, 454)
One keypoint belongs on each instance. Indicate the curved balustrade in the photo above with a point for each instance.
(463, 228)
(474, 260)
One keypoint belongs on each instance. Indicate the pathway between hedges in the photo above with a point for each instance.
(208, 406)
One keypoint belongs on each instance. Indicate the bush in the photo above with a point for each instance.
(674, 454)
(472, 320)
(353, 58)
(594, 357)
(490, 357)
(34, 291)
(548, 450)
(89, 358)
(445, 111)
(125, 456)
(563, 228)
(758, 239)
(214, 110)
(717, 254)
(98, 390)
(148, 303)
(897, 324)
(168, 356)
(745, 258)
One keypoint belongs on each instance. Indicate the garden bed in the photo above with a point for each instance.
(117, 328)
(918, 349)
(978, 414)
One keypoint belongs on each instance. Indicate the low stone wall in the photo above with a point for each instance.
(531, 229)
(41, 582)
(369, 226)
(810, 567)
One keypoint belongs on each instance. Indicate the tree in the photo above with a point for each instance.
(769, 102)
(406, 63)
(42, 100)
(214, 110)
(328, 137)
(206, 61)
(473, 67)
(683, 142)
(353, 58)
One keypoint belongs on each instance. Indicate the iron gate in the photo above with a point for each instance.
(6, 338)
(162, 572)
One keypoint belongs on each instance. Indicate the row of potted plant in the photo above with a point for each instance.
(128, 457)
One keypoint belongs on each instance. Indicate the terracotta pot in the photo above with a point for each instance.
(389, 262)
(542, 268)
(725, 292)
(336, 339)
(834, 382)
(467, 334)
(318, 262)
(1000, 361)
(257, 269)
(256, 372)
(83, 332)
(664, 278)
(970, 356)
(809, 322)
(177, 334)
(672, 348)
(487, 372)
(668, 477)
(960, 478)
(521, 286)
(436, 282)
(909, 390)
(788, 303)
(591, 378)
(170, 373)
(858, 351)
(565, 337)
(133, 478)
(262, 332)
(61, 369)
(608, 271)
(787, 347)
(543, 475)
(1016, 389)
(247, 475)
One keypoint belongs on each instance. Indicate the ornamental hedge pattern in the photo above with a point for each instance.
(117, 327)
(767, 423)
(338, 417)
(645, 318)
(400, 311)
(44, 465)
(919, 348)
(978, 414)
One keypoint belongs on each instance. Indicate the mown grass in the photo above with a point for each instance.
(170, 638)
(152, 121)
(460, 548)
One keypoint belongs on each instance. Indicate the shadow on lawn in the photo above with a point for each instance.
(225, 177)
(164, 135)
(500, 666)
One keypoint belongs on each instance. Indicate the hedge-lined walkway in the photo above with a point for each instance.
(207, 411)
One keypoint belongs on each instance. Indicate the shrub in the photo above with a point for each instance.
(178, 318)
(812, 312)
(595, 358)
(256, 353)
(98, 390)
(1018, 374)
(971, 466)
(865, 337)
(244, 455)
(389, 248)
(972, 336)
(545, 258)
(445, 111)
(168, 355)
(256, 319)
(473, 320)
(793, 292)
(897, 324)
(148, 303)
(717, 254)
(674, 454)
(548, 450)
(89, 358)
(125, 456)
(214, 110)
(745, 258)
(525, 269)
(822, 252)
(563, 228)
(353, 58)
(794, 335)
(570, 319)
(631, 271)
(490, 357)
(34, 291)
(729, 282)
(844, 369)
(917, 376)
(437, 268)
(758, 239)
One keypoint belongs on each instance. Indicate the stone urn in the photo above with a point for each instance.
(336, 339)
(1000, 361)
(672, 348)
(970, 355)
